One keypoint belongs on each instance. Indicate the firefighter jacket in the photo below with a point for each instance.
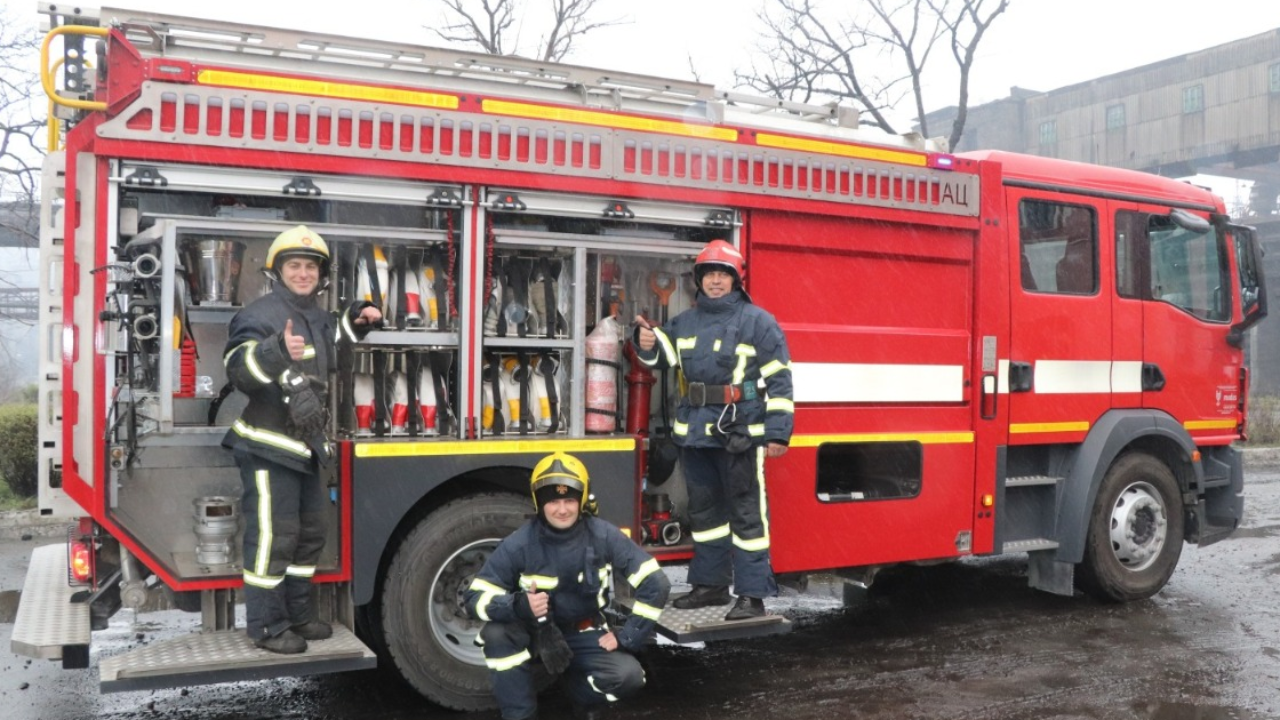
(727, 341)
(256, 358)
(575, 568)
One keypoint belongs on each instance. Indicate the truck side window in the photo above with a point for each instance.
(1059, 247)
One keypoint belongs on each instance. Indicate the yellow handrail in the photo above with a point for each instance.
(46, 73)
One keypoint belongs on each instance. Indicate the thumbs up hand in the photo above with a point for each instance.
(295, 344)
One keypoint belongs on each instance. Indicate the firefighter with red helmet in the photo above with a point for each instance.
(280, 350)
(726, 347)
(542, 591)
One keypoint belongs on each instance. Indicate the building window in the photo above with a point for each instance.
(1274, 73)
(1115, 117)
(1193, 99)
(1049, 132)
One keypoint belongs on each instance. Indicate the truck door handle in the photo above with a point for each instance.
(990, 397)
(1152, 378)
(1021, 376)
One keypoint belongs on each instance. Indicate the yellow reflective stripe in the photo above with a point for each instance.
(308, 352)
(764, 497)
(740, 370)
(508, 663)
(606, 581)
(673, 358)
(756, 430)
(649, 567)
(679, 428)
(267, 437)
(780, 405)
(715, 533)
(544, 582)
(301, 571)
(756, 545)
(686, 343)
(744, 349)
(488, 591)
(648, 612)
(715, 346)
(262, 581)
(773, 367)
(250, 362)
(261, 561)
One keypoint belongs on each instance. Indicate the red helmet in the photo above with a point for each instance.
(720, 255)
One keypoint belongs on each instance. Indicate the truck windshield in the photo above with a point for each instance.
(1189, 269)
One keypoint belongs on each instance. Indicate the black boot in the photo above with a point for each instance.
(286, 643)
(746, 608)
(313, 630)
(703, 596)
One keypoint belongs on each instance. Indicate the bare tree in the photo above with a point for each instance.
(21, 129)
(491, 25)
(811, 55)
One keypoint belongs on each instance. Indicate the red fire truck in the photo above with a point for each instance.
(992, 353)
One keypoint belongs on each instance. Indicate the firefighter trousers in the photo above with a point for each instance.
(595, 676)
(730, 518)
(284, 532)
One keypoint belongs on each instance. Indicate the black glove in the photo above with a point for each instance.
(307, 411)
(552, 648)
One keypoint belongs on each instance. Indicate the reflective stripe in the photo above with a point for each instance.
(606, 581)
(740, 370)
(488, 591)
(544, 582)
(250, 362)
(679, 428)
(716, 533)
(744, 349)
(687, 343)
(764, 497)
(648, 612)
(756, 430)
(267, 437)
(301, 571)
(664, 342)
(262, 561)
(308, 352)
(780, 405)
(773, 367)
(508, 663)
(715, 346)
(592, 682)
(263, 581)
(649, 567)
(756, 545)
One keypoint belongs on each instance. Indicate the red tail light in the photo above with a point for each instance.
(80, 559)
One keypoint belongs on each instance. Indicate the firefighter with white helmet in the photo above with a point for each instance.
(280, 351)
(542, 592)
(726, 346)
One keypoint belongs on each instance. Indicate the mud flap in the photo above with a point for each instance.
(708, 624)
(1221, 507)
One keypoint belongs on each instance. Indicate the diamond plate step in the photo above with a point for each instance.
(708, 625)
(227, 656)
(47, 620)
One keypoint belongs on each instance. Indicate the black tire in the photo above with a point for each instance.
(1135, 531)
(427, 634)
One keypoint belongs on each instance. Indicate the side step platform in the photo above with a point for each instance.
(50, 626)
(708, 625)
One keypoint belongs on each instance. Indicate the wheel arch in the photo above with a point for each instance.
(401, 504)
(1117, 432)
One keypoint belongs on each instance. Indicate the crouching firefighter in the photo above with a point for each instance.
(280, 350)
(541, 593)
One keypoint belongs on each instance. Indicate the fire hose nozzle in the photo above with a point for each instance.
(145, 327)
(146, 266)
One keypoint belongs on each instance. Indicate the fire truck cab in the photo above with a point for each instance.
(992, 353)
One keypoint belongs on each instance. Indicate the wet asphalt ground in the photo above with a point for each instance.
(965, 641)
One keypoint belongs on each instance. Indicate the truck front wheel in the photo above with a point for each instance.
(1135, 532)
(425, 627)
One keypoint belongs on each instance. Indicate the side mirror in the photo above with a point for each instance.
(1189, 221)
(1253, 284)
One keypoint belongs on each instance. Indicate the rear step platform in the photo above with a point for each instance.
(48, 622)
(708, 625)
(228, 656)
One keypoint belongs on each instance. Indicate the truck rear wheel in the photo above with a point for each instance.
(425, 627)
(1135, 532)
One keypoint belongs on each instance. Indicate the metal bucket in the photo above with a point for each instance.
(217, 522)
(213, 269)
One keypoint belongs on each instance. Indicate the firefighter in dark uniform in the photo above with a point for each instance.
(541, 593)
(280, 350)
(725, 346)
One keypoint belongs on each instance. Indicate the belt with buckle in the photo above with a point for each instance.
(702, 394)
